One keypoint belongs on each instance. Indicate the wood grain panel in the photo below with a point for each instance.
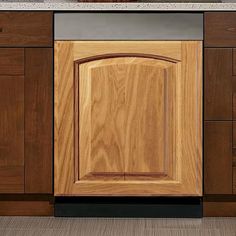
(172, 49)
(221, 209)
(114, 108)
(234, 61)
(234, 134)
(12, 179)
(150, 117)
(64, 118)
(38, 120)
(102, 93)
(101, 106)
(234, 146)
(26, 29)
(26, 208)
(218, 84)
(234, 157)
(220, 29)
(190, 116)
(234, 97)
(218, 157)
(12, 134)
(234, 180)
(11, 61)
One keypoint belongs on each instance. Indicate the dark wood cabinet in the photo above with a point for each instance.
(220, 114)
(11, 134)
(218, 84)
(26, 29)
(218, 157)
(38, 120)
(220, 29)
(234, 62)
(26, 98)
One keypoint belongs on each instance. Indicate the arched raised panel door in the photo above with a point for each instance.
(128, 118)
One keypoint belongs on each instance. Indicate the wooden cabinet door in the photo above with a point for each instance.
(218, 84)
(26, 120)
(11, 120)
(38, 119)
(218, 157)
(128, 118)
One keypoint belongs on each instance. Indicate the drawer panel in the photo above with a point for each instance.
(218, 84)
(26, 29)
(218, 157)
(220, 29)
(11, 61)
(128, 26)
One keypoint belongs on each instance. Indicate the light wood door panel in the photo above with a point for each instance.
(128, 118)
(125, 114)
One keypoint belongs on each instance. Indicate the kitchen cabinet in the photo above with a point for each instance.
(128, 118)
(220, 29)
(219, 114)
(26, 108)
(26, 121)
(26, 29)
(218, 84)
(218, 153)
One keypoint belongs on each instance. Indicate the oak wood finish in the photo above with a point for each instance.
(38, 120)
(12, 133)
(11, 61)
(95, 135)
(26, 208)
(220, 29)
(218, 84)
(135, 158)
(218, 157)
(20, 29)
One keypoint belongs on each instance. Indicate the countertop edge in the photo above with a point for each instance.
(118, 6)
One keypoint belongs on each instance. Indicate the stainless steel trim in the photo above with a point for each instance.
(128, 26)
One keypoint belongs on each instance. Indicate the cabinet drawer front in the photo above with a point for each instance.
(220, 29)
(11, 61)
(26, 29)
(218, 84)
(218, 157)
(128, 26)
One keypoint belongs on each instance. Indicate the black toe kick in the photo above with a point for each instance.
(150, 207)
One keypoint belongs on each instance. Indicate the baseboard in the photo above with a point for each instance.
(128, 207)
(26, 205)
(219, 209)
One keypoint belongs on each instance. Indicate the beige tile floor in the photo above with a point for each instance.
(49, 226)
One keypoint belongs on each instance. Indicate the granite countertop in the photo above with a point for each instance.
(72, 5)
